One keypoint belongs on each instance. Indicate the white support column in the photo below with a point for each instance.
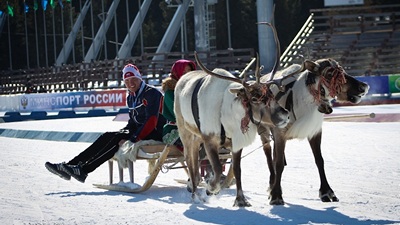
(200, 25)
(266, 43)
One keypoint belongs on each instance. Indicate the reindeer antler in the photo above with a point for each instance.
(307, 64)
(233, 79)
(243, 73)
(258, 70)
(278, 49)
(278, 55)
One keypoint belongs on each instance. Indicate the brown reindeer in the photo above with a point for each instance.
(306, 91)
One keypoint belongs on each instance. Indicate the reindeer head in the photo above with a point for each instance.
(255, 97)
(334, 82)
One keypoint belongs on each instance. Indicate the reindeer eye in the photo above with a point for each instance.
(322, 91)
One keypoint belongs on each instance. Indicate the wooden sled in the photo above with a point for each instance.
(161, 153)
(153, 174)
(167, 156)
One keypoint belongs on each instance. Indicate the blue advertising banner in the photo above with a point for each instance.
(377, 84)
(45, 101)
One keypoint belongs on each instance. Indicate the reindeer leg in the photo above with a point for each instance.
(326, 193)
(265, 133)
(268, 153)
(279, 161)
(240, 200)
(214, 186)
(191, 157)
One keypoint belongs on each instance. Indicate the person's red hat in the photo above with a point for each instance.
(179, 67)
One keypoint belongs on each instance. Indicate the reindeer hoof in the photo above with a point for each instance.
(241, 203)
(328, 197)
(213, 189)
(325, 199)
(277, 201)
(189, 185)
(275, 198)
(197, 199)
(209, 193)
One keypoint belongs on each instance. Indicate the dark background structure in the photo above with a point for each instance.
(289, 17)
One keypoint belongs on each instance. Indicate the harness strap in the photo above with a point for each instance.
(289, 103)
(310, 79)
(195, 104)
(289, 99)
(282, 93)
(195, 109)
(223, 135)
(250, 112)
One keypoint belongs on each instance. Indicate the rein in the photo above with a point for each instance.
(252, 151)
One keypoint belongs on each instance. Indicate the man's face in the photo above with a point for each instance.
(132, 84)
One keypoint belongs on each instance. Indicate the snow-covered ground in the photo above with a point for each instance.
(362, 162)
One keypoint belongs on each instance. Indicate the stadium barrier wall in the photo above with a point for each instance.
(36, 106)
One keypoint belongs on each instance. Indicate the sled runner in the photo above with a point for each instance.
(159, 156)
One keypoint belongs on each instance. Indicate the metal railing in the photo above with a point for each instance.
(107, 74)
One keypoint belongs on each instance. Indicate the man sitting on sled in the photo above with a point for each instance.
(145, 123)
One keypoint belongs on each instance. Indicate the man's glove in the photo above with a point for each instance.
(124, 131)
(124, 134)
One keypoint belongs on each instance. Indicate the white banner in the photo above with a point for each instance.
(343, 2)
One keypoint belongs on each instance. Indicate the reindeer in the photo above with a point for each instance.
(306, 91)
(217, 110)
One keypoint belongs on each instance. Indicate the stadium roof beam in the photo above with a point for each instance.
(172, 30)
(101, 33)
(69, 43)
(130, 38)
(2, 21)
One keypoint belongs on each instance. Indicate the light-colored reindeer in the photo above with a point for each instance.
(306, 91)
(218, 110)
